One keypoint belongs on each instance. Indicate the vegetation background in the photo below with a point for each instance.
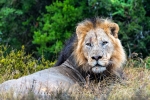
(43, 26)
(33, 32)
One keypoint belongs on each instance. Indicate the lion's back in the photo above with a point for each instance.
(45, 81)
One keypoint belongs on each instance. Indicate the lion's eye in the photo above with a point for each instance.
(88, 44)
(104, 42)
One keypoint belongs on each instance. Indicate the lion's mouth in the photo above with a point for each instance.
(98, 69)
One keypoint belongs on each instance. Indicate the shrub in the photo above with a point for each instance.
(56, 26)
(17, 63)
(18, 21)
(147, 62)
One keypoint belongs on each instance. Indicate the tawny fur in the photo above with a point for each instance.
(111, 29)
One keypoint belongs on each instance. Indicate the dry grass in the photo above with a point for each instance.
(135, 87)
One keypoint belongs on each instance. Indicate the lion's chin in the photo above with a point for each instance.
(98, 69)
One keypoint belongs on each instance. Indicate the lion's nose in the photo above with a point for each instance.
(96, 57)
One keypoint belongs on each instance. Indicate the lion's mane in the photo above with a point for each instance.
(75, 44)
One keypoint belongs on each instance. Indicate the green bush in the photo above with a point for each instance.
(18, 21)
(17, 63)
(58, 23)
(56, 26)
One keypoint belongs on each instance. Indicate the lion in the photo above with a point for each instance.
(95, 51)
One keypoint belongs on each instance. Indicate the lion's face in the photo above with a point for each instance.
(97, 49)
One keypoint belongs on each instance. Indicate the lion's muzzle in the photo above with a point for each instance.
(98, 69)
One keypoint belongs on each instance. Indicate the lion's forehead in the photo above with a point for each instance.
(96, 35)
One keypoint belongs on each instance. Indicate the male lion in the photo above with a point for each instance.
(96, 51)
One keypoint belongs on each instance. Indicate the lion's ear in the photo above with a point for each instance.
(79, 30)
(114, 29)
(82, 28)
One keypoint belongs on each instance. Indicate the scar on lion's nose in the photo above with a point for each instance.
(96, 57)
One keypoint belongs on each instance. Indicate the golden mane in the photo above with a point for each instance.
(111, 29)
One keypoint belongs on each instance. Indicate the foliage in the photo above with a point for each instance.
(44, 26)
(18, 20)
(147, 62)
(58, 23)
(17, 63)
(134, 25)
